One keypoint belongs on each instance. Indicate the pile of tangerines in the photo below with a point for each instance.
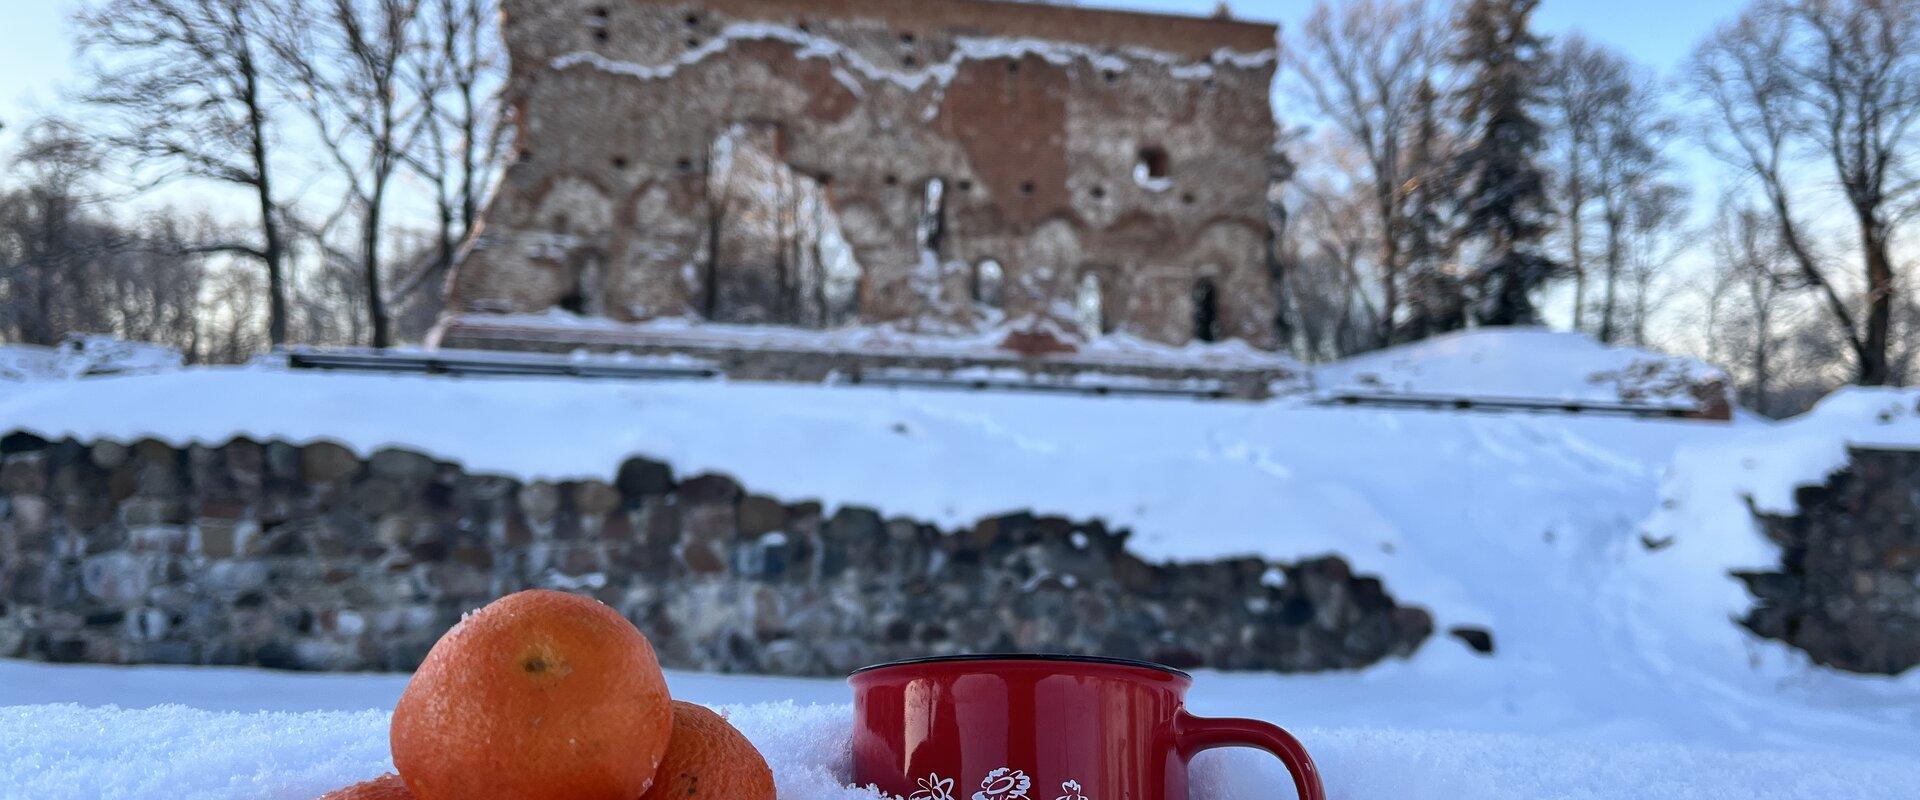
(551, 696)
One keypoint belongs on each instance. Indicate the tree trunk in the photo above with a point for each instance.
(1615, 221)
(1574, 205)
(1386, 202)
(1810, 269)
(370, 260)
(1875, 369)
(272, 251)
(1762, 341)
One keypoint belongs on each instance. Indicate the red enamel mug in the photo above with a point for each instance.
(1042, 728)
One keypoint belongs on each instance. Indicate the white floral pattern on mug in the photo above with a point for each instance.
(1072, 789)
(1004, 784)
(934, 787)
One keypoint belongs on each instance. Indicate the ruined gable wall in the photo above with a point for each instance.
(620, 102)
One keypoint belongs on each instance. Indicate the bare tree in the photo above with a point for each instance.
(1752, 273)
(345, 60)
(1632, 171)
(1582, 79)
(1654, 237)
(1860, 80)
(46, 234)
(455, 70)
(1329, 233)
(66, 265)
(1838, 80)
(1362, 65)
(183, 84)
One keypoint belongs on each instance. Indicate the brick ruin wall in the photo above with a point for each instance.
(311, 557)
(1046, 128)
(1847, 590)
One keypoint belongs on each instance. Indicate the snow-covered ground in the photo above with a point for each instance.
(1533, 364)
(277, 736)
(1618, 671)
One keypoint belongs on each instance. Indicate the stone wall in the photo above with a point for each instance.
(1848, 588)
(310, 557)
(711, 158)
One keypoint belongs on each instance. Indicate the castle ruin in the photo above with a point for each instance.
(939, 166)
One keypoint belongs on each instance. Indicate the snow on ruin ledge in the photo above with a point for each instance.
(940, 74)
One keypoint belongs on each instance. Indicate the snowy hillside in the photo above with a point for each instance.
(1617, 673)
(1526, 363)
(1193, 480)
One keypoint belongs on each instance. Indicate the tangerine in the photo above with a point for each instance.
(540, 695)
(385, 787)
(709, 758)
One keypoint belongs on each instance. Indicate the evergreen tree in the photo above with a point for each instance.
(1503, 203)
(1435, 295)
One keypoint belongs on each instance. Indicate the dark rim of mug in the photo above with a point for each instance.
(1111, 662)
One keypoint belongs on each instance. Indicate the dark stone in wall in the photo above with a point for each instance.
(313, 558)
(1848, 587)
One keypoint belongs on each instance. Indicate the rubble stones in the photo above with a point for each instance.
(1848, 587)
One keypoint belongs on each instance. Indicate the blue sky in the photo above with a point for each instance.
(36, 56)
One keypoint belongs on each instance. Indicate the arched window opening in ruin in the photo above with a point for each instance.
(1206, 311)
(1153, 166)
(989, 282)
(586, 280)
(840, 274)
(932, 227)
(1090, 307)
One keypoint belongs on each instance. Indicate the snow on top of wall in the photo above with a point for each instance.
(940, 74)
(1526, 363)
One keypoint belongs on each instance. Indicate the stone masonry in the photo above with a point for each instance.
(310, 557)
(1848, 588)
(940, 165)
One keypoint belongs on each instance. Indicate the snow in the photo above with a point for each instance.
(84, 354)
(1159, 467)
(1534, 364)
(939, 74)
(1115, 349)
(1617, 673)
(1711, 486)
(252, 735)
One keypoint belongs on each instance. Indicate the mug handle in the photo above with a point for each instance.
(1193, 734)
